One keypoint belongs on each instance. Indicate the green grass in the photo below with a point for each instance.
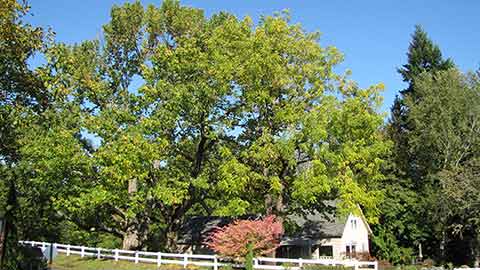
(63, 262)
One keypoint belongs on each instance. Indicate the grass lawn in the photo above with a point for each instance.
(72, 262)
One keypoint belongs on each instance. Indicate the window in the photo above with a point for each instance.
(354, 223)
(325, 251)
(351, 251)
(293, 252)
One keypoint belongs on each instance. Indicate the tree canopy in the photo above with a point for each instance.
(434, 129)
(175, 114)
(171, 113)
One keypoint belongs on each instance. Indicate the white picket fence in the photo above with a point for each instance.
(195, 259)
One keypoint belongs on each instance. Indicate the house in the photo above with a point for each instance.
(311, 236)
(318, 236)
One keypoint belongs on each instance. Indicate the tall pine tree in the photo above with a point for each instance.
(423, 56)
(403, 224)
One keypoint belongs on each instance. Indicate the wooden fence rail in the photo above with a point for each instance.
(195, 259)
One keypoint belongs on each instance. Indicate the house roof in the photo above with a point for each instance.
(317, 226)
(196, 229)
(304, 229)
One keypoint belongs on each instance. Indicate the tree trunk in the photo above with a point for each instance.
(132, 186)
(131, 239)
(171, 237)
(274, 205)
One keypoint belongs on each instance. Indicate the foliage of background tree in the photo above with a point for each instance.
(423, 56)
(404, 222)
(460, 205)
(435, 133)
(448, 118)
(21, 94)
(263, 236)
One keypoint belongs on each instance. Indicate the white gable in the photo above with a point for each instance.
(355, 235)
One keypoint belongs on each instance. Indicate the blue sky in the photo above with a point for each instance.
(373, 35)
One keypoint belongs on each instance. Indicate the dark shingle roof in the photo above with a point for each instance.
(312, 228)
(305, 229)
(196, 229)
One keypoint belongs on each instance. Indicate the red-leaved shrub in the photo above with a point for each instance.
(231, 241)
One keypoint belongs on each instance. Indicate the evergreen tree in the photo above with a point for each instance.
(423, 56)
(403, 225)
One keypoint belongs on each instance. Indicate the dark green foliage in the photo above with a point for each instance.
(404, 222)
(423, 56)
(25, 258)
(21, 93)
(434, 127)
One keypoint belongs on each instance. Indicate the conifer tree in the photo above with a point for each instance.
(402, 223)
(423, 56)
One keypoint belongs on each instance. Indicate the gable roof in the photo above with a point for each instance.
(304, 228)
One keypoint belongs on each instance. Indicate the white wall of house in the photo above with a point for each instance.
(355, 234)
(335, 243)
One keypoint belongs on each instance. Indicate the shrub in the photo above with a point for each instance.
(25, 257)
(231, 241)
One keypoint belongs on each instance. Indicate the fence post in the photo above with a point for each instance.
(255, 263)
(82, 253)
(159, 258)
(136, 256)
(375, 265)
(116, 255)
(185, 260)
(43, 245)
(215, 263)
(68, 250)
(300, 263)
(98, 253)
(356, 265)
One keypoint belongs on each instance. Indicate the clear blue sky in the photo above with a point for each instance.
(373, 35)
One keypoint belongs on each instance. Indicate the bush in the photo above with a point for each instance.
(24, 258)
(231, 241)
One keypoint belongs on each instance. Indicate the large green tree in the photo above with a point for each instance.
(448, 119)
(176, 114)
